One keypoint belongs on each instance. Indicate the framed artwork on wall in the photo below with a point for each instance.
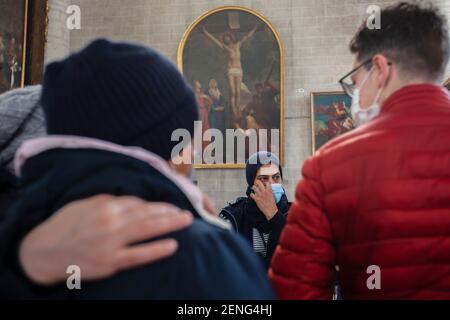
(23, 26)
(37, 40)
(446, 84)
(233, 58)
(330, 116)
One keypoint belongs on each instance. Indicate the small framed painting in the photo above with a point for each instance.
(330, 116)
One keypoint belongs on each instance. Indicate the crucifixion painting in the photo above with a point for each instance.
(234, 73)
(233, 57)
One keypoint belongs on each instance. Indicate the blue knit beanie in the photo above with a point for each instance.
(123, 93)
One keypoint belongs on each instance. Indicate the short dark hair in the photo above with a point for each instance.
(413, 35)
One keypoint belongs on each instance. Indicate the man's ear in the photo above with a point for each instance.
(382, 69)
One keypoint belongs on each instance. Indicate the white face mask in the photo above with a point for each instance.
(359, 115)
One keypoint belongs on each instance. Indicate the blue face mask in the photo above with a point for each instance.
(277, 191)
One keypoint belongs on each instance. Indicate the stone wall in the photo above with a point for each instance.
(315, 36)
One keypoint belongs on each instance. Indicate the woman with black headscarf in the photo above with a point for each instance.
(261, 215)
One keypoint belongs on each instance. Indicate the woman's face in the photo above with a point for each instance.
(269, 174)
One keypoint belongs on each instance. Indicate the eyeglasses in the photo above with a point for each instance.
(347, 82)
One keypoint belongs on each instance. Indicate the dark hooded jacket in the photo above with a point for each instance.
(211, 262)
(238, 214)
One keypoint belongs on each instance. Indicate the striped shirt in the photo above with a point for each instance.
(260, 242)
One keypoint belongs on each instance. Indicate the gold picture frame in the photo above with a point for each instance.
(33, 36)
(330, 116)
(37, 40)
(279, 44)
(25, 34)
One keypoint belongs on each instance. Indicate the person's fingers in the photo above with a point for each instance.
(260, 185)
(133, 219)
(145, 253)
(264, 187)
(96, 202)
(147, 210)
(155, 226)
(156, 209)
(257, 187)
(257, 197)
(124, 204)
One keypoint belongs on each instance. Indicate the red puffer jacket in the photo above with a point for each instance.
(379, 195)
